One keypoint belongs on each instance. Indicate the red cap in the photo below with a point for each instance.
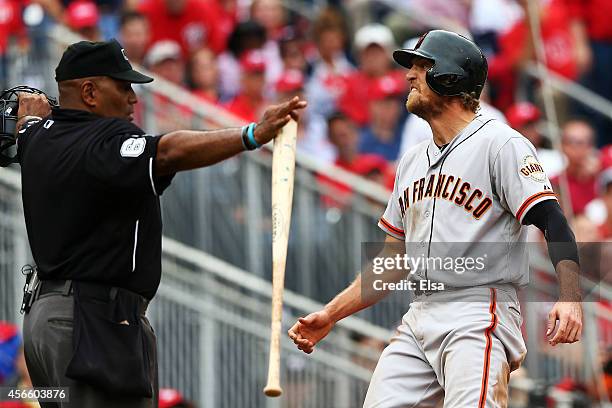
(368, 163)
(253, 61)
(290, 80)
(385, 87)
(606, 156)
(7, 331)
(169, 397)
(82, 14)
(522, 113)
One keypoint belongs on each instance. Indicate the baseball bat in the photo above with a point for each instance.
(283, 170)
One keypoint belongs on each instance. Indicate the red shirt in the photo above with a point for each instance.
(355, 98)
(596, 16)
(558, 40)
(241, 106)
(192, 29)
(10, 22)
(604, 231)
(361, 165)
(581, 191)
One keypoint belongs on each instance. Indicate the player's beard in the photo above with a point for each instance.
(427, 107)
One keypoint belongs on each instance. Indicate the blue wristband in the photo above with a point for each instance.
(251, 136)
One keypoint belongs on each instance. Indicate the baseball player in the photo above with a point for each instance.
(477, 181)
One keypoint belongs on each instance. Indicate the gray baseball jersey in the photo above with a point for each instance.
(468, 200)
(465, 201)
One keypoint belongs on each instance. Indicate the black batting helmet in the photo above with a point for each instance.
(459, 65)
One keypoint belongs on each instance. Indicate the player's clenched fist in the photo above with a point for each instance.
(569, 315)
(277, 116)
(309, 330)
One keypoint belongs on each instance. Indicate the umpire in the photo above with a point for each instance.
(91, 183)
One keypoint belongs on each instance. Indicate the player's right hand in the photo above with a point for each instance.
(277, 116)
(309, 330)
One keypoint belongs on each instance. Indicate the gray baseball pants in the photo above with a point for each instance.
(457, 347)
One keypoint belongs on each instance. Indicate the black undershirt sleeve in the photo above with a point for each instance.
(549, 218)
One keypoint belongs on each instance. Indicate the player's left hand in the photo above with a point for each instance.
(569, 315)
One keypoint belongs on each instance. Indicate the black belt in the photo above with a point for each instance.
(89, 289)
(62, 287)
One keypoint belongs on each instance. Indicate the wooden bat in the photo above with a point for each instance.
(283, 169)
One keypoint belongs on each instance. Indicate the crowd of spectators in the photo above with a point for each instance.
(243, 55)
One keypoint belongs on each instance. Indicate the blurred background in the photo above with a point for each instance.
(219, 63)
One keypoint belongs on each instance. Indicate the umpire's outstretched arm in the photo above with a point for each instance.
(190, 149)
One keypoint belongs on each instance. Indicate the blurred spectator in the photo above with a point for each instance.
(577, 143)
(290, 84)
(171, 398)
(383, 134)
(9, 348)
(331, 66)
(190, 23)
(204, 75)
(82, 17)
(291, 51)
(374, 45)
(524, 117)
(562, 47)
(250, 101)
(225, 18)
(489, 18)
(605, 182)
(134, 33)
(11, 26)
(344, 136)
(271, 15)
(248, 35)
(593, 17)
(165, 60)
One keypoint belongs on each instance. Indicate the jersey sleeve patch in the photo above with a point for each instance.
(390, 229)
(531, 168)
(133, 147)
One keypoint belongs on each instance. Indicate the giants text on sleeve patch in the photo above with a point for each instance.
(532, 169)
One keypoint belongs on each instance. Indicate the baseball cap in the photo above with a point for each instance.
(367, 164)
(385, 87)
(522, 113)
(253, 61)
(374, 34)
(162, 51)
(104, 58)
(81, 14)
(169, 397)
(290, 80)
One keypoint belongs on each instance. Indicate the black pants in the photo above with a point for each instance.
(47, 334)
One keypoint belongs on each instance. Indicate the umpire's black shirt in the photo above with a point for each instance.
(91, 200)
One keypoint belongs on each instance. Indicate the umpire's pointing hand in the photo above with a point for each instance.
(277, 116)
